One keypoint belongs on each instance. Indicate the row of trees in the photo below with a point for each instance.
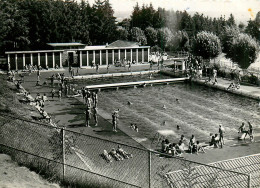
(30, 24)
(175, 30)
(239, 47)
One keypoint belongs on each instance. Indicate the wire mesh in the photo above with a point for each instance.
(88, 153)
(87, 165)
(248, 165)
(29, 137)
(168, 171)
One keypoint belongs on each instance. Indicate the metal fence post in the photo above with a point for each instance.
(149, 167)
(249, 181)
(63, 154)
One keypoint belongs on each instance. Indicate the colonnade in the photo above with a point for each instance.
(51, 55)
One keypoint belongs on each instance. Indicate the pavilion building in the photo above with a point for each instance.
(79, 55)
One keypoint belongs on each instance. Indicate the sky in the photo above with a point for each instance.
(243, 10)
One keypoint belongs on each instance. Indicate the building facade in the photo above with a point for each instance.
(79, 55)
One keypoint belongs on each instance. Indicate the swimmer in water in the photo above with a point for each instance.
(177, 100)
(164, 107)
(129, 103)
(163, 123)
(178, 127)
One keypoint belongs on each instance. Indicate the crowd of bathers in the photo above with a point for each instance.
(177, 149)
(193, 146)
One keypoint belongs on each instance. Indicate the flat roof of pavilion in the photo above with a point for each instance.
(67, 44)
(118, 44)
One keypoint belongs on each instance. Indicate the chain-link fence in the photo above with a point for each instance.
(77, 159)
(248, 165)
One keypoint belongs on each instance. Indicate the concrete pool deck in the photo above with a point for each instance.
(69, 112)
(244, 90)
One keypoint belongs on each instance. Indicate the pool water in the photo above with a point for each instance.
(198, 110)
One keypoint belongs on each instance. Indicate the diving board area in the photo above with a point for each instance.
(135, 84)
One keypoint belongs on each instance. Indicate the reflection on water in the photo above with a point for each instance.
(195, 109)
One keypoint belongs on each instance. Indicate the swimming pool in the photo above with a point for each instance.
(198, 110)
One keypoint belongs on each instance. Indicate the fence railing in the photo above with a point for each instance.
(77, 159)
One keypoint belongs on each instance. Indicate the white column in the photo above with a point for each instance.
(87, 59)
(8, 58)
(46, 60)
(60, 59)
(106, 57)
(142, 55)
(125, 53)
(94, 56)
(100, 57)
(39, 60)
(23, 60)
(118, 54)
(136, 55)
(80, 59)
(31, 59)
(16, 65)
(131, 54)
(53, 60)
(113, 57)
(148, 54)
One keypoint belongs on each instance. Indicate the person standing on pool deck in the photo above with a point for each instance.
(221, 135)
(114, 121)
(97, 68)
(250, 131)
(95, 115)
(129, 66)
(95, 98)
(52, 93)
(38, 74)
(59, 94)
(87, 116)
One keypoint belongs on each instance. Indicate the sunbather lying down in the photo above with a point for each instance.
(123, 153)
(115, 155)
(118, 155)
(107, 157)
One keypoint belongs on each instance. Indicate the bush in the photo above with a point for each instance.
(250, 78)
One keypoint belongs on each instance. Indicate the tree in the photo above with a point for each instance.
(227, 37)
(187, 24)
(207, 45)
(103, 27)
(244, 50)
(125, 23)
(253, 29)
(241, 27)
(122, 33)
(138, 35)
(164, 38)
(231, 20)
(151, 35)
(13, 26)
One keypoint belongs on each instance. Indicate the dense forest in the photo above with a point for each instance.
(30, 24)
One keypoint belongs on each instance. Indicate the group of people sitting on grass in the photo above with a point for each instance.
(117, 154)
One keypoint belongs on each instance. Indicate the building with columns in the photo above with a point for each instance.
(79, 55)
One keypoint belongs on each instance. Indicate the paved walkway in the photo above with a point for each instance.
(69, 112)
(244, 90)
